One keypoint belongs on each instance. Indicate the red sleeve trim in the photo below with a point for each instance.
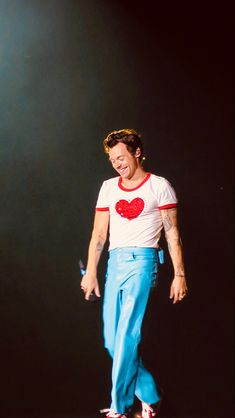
(171, 205)
(102, 209)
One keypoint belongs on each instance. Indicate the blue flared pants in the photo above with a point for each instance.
(130, 275)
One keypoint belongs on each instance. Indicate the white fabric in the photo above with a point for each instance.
(141, 228)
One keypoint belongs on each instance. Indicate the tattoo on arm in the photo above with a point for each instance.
(180, 271)
(169, 219)
(167, 223)
(100, 244)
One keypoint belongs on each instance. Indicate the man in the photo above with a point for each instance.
(135, 206)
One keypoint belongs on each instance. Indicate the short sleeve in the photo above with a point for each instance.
(166, 195)
(102, 201)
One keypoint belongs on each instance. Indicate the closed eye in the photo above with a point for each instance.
(118, 159)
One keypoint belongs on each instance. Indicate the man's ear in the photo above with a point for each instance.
(137, 153)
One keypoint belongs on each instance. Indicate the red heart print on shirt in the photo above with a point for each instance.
(130, 210)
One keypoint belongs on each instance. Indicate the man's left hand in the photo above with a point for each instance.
(178, 289)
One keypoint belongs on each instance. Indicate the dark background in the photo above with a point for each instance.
(70, 72)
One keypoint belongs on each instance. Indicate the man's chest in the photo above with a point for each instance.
(132, 204)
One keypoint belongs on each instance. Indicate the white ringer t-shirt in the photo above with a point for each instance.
(135, 218)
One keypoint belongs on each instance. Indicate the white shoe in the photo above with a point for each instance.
(149, 411)
(110, 413)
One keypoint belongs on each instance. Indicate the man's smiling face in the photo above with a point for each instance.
(123, 161)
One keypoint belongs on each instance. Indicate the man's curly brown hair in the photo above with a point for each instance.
(126, 136)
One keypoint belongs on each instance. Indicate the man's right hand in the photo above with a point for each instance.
(89, 285)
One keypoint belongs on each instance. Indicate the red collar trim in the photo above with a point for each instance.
(134, 188)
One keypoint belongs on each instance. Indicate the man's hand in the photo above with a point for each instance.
(178, 288)
(89, 285)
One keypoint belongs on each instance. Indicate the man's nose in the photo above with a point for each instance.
(117, 164)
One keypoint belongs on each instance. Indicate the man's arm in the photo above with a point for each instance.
(178, 287)
(89, 281)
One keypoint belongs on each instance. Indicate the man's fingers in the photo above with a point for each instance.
(97, 291)
(174, 295)
(88, 294)
(175, 298)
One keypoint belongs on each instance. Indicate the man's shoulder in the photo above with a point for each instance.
(160, 183)
(158, 179)
(113, 181)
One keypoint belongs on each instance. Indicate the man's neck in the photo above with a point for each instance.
(135, 180)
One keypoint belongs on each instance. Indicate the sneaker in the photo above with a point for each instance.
(148, 411)
(110, 413)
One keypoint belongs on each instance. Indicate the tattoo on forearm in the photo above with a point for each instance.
(100, 244)
(173, 237)
(180, 270)
(167, 223)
